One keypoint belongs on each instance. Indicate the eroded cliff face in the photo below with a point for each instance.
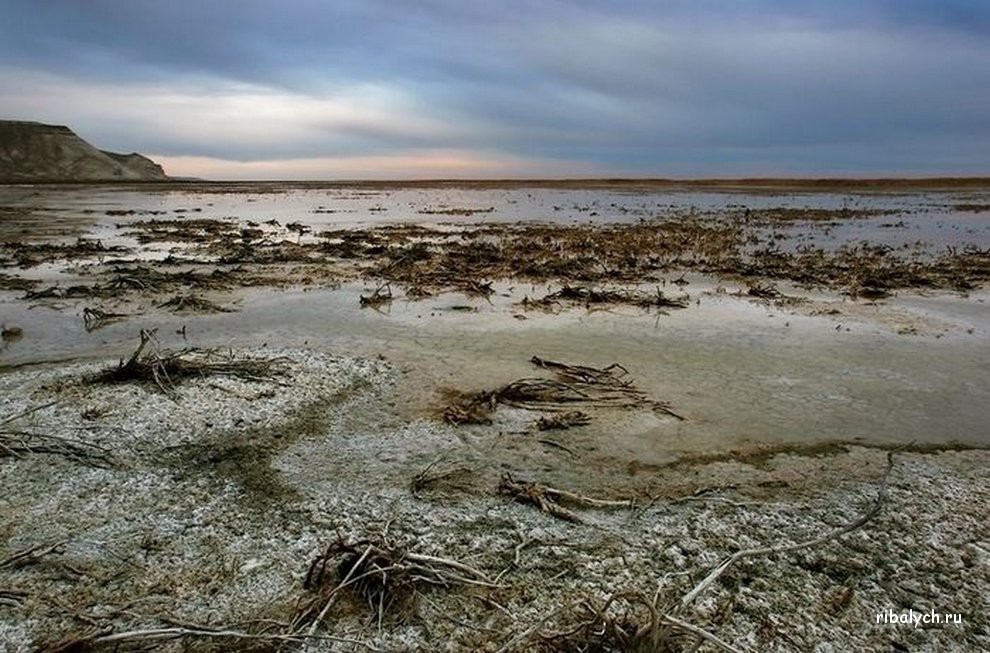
(35, 152)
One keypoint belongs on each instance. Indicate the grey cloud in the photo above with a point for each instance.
(635, 85)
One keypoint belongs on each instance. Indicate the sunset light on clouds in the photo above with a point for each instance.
(315, 90)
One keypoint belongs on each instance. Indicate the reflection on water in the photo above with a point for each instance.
(740, 372)
(69, 212)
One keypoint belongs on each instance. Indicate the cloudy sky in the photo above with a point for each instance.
(321, 89)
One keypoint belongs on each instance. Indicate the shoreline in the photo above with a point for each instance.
(769, 184)
(548, 434)
(173, 517)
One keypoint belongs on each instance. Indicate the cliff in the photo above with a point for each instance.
(35, 152)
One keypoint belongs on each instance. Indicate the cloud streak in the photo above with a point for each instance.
(642, 88)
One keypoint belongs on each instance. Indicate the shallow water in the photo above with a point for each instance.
(740, 372)
(66, 213)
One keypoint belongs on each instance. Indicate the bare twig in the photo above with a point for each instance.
(701, 633)
(874, 510)
(158, 634)
(331, 597)
(548, 499)
(32, 554)
(14, 443)
(27, 412)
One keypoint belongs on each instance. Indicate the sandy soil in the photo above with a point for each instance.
(211, 507)
(228, 513)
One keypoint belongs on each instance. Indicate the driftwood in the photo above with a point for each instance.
(94, 318)
(166, 369)
(549, 499)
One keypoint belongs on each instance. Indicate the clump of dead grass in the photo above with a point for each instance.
(165, 369)
(385, 577)
(607, 387)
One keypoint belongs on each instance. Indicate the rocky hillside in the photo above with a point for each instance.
(35, 152)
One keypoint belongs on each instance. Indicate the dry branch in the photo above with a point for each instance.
(549, 499)
(166, 369)
(381, 296)
(94, 318)
(387, 578)
(15, 443)
(607, 387)
(104, 640)
(723, 566)
(32, 554)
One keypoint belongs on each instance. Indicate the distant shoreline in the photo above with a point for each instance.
(718, 184)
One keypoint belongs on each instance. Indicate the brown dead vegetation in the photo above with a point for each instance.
(807, 214)
(193, 304)
(442, 477)
(551, 500)
(199, 230)
(563, 420)
(588, 261)
(95, 318)
(16, 442)
(590, 297)
(583, 255)
(465, 212)
(165, 369)
(607, 387)
(380, 297)
(622, 623)
(384, 577)
(11, 282)
(29, 255)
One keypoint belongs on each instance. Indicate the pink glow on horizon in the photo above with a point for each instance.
(456, 164)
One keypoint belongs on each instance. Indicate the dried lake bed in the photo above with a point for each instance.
(775, 348)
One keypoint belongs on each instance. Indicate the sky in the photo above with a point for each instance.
(400, 89)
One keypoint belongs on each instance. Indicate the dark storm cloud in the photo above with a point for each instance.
(681, 87)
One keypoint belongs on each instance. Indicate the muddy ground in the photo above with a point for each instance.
(310, 503)
(212, 522)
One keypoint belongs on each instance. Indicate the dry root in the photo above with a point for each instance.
(563, 420)
(549, 499)
(381, 296)
(573, 384)
(193, 304)
(386, 578)
(166, 369)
